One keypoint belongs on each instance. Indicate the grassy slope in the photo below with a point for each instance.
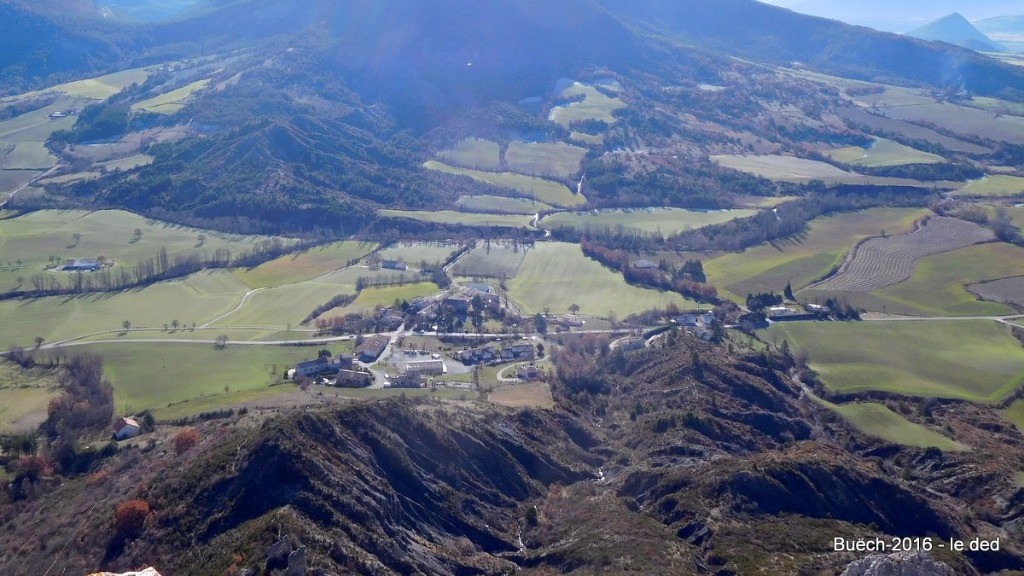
(883, 153)
(802, 260)
(665, 221)
(148, 376)
(465, 218)
(554, 160)
(415, 253)
(878, 420)
(172, 102)
(544, 190)
(494, 261)
(997, 185)
(594, 106)
(1015, 414)
(196, 298)
(370, 298)
(36, 236)
(500, 205)
(974, 360)
(475, 153)
(555, 275)
(302, 266)
(937, 286)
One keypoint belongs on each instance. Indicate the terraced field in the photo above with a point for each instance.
(976, 360)
(883, 261)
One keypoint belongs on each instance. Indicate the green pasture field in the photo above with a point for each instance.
(23, 409)
(782, 167)
(196, 298)
(306, 265)
(384, 296)
(222, 401)
(803, 259)
(26, 156)
(127, 163)
(556, 275)
(24, 397)
(148, 376)
(36, 126)
(589, 139)
(963, 120)
(11, 180)
(283, 305)
(878, 420)
(938, 284)
(553, 160)
(500, 205)
(69, 178)
(663, 221)
(975, 360)
(544, 190)
(499, 260)
(763, 201)
(171, 102)
(883, 153)
(36, 236)
(461, 218)
(200, 335)
(414, 253)
(102, 87)
(475, 153)
(594, 106)
(995, 186)
(1015, 414)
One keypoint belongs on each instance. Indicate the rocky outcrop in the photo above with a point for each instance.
(901, 564)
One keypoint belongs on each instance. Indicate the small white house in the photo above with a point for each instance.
(126, 428)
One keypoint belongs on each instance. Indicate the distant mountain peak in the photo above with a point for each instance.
(955, 29)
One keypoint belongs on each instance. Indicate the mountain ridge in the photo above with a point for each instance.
(955, 29)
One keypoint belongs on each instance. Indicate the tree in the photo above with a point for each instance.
(175, 324)
(221, 341)
(788, 292)
(39, 341)
(574, 308)
(541, 323)
(136, 235)
(540, 350)
(185, 440)
(127, 325)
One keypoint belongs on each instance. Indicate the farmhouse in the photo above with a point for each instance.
(347, 378)
(530, 372)
(372, 348)
(459, 305)
(632, 343)
(783, 314)
(411, 379)
(694, 319)
(322, 365)
(126, 428)
(82, 265)
(432, 366)
(394, 265)
(481, 288)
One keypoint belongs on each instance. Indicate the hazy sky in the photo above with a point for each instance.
(901, 15)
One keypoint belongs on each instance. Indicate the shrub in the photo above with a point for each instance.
(130, 518)
(185, 440)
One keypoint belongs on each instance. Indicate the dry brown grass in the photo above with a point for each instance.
(532, 395)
